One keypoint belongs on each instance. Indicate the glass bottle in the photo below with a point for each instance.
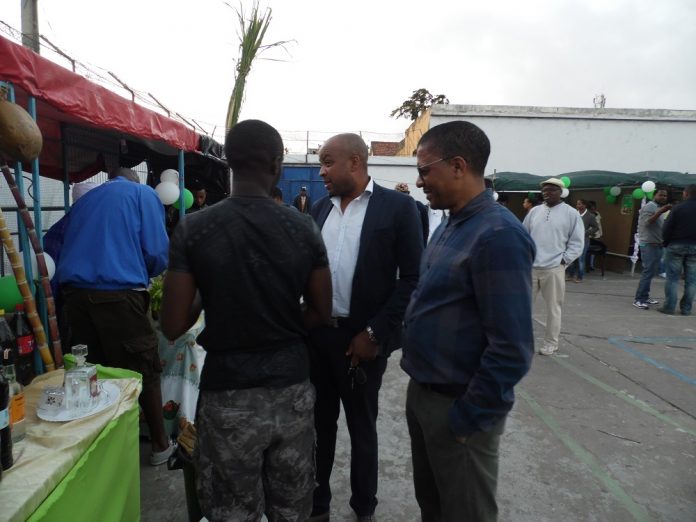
(6, 458)
(81, 389)
(17, 424)
(25, 346)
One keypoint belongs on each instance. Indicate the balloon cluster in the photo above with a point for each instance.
(565, 192)
(168, 190)
(646, 190)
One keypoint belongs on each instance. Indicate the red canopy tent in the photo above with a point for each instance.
(65, 99)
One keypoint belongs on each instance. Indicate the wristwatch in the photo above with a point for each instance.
(371, 334)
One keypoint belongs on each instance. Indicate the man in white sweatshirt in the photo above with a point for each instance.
(559, 234)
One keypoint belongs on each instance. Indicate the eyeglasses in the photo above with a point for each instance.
(423, 169)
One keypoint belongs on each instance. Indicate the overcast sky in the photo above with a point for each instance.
(351, 63)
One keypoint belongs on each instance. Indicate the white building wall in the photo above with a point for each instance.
(552, 141)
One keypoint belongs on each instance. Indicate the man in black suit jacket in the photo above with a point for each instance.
(302, 201)
(374, 243)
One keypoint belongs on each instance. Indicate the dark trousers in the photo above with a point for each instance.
(115, 327)
(454, 481)
(334, 386)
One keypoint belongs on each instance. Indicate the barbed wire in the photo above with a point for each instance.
(296, 141)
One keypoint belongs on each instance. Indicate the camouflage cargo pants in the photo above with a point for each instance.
(255, 453)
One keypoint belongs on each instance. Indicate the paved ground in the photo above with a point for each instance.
(603, 431)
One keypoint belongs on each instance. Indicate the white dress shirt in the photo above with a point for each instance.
(435, 217)
(341, 233)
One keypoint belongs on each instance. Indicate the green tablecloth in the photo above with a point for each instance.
(102, 482)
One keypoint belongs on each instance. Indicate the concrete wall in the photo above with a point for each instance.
(549, 141)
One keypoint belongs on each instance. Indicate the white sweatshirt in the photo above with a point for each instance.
(558, 233)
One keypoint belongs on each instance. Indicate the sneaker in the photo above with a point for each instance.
(641, 304)
(663, 275)
(547, 349)
(652, 301)
(160, 457)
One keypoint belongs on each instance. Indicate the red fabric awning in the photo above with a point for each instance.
(76, 100)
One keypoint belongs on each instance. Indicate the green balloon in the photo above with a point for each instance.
(638, 193)
(188, 200)
(650, 195)
(607, 190)
(9, 293)
(611, 199)
(566, 181)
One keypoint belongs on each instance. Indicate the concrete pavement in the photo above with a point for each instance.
(604, 430)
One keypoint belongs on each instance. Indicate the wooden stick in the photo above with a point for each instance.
(32, 316)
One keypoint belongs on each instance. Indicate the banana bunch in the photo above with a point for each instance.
(187, 435)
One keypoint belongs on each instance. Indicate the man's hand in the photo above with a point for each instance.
(665, 208)
(362, 349)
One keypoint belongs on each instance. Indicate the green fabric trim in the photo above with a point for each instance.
(105, 372)
(104, 484)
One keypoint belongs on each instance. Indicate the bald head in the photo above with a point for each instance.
(352, 144)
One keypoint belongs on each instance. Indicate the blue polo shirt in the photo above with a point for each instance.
(469, 321)
(115, 238)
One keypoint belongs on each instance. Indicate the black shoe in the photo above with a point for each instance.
(667, 312)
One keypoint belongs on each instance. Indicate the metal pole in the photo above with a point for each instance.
(36, 181)
(66, 173)
(182, 185)
(30, 25)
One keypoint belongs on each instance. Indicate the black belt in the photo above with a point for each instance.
(451, 390)
(338, 322)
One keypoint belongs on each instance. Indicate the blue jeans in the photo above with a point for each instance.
(678, 256)
(577, 267)
(650, 257)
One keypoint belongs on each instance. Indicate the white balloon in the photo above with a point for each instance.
(495, 196)
(615, 191)
(169, 176)
(167, 192)
(50, 266)
(564, 193)
(648, 186)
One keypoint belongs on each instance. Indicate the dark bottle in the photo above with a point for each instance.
(25, 346)
(6, 459)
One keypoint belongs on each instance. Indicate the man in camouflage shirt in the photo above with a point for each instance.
(247, 262)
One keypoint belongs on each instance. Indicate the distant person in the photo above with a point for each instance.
(531, 202)
(373, 239)
(577, 269)
(679, 236)
(422, 210)
(462, 361)
(558, 232)
(277, 197)
(595, 244)
(527, 204)
(115, 241)
(199, 200)
(255, 422)
(650, 222)
(302, 201)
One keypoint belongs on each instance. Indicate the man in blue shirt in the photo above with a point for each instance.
(467, 331)
(114, 242)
